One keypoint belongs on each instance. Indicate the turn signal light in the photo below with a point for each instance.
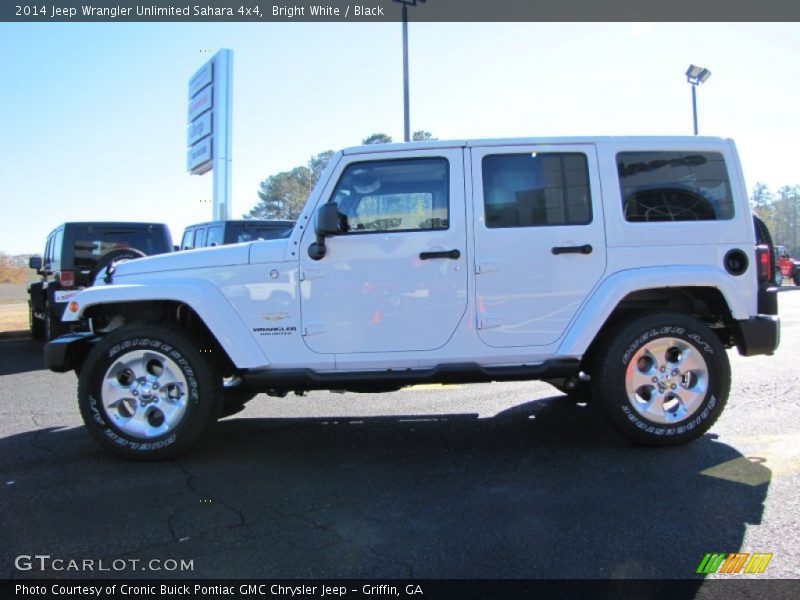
(74, 307)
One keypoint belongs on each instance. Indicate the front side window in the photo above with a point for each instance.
(394, 195)
(674, 186)
(536, 189)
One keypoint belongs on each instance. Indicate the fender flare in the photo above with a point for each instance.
(597, 308)
(203, 297)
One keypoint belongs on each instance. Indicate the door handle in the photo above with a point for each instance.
(452, 254)
(585, 249)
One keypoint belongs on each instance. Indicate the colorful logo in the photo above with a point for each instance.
(734, 563)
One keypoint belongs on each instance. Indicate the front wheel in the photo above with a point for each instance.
(663, 379)
(147, 392)
(52, 327)
(796, 276)
(36, 324)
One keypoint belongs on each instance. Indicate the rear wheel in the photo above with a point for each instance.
(147, 392)
(796, 276)
(663, 379)
(778, 277)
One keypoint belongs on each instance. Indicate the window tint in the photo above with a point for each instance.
(394, 195)
(248, 232)
(200, 238)
(674, 186)
(533, 190)
(56, 249)
(215, 237)
(186, 242)
(92, 243)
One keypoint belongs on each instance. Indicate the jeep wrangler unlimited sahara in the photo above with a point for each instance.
(618, 269)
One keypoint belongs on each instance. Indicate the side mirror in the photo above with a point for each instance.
(327, 220)
(176, 248)
(35, 263)
(327, 224)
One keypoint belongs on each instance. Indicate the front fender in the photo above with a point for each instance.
(604, 299)
(203, 297)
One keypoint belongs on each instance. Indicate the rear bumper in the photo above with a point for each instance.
(68, 352)
(758, 335)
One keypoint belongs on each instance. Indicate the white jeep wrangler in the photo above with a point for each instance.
(619, 269)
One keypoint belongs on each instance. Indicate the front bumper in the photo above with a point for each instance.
(758, 335)
(68, 352)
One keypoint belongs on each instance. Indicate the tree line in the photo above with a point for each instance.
(780, 211)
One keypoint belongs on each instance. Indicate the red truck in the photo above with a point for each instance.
(786, 267)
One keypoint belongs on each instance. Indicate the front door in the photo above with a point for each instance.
(395, 278)
(539, 239)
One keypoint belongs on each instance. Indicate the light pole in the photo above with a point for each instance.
(696, 75)
(406, 124)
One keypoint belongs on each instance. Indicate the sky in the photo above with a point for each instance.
(93, 116)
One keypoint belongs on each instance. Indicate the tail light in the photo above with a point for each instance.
(766, 263)
(67, 279)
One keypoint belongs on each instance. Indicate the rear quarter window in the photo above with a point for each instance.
(674, 186)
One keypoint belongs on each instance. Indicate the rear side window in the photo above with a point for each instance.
(536, 189)
(93, 243)
(55, 251)
(674, 186)
(248, 232)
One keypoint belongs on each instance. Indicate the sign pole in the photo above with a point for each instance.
(223, 76)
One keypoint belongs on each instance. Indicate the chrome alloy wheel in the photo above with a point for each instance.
(144, 394)
(666, 380)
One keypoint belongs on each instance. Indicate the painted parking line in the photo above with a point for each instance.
(778, 457)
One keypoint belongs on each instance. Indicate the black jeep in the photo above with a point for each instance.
(73, 256)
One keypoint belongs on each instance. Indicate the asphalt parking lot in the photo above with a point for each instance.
(505, 480)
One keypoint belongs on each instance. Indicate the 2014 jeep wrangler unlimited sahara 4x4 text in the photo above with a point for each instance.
(618, 269)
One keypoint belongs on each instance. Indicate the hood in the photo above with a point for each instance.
(217, 256)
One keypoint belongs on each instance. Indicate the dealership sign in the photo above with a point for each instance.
(208, 133)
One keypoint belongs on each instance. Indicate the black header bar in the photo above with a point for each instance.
(369, 11)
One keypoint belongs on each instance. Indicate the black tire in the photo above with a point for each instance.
(796, 276)
(671, 422)
(52, 327)
(36, 324)
(778, 277)
(179, 358)
(118, 255)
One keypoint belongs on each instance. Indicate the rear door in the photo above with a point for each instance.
(539, 239)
